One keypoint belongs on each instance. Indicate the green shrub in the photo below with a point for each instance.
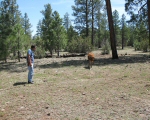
(144, 45)
(105, 48)
(136, 45)
(79, 45)
(40, 53)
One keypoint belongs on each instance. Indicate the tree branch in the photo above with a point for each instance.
(142, 7)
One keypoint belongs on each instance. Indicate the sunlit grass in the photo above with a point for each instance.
(2, 113)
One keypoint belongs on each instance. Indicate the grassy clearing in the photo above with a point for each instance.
(112, 89)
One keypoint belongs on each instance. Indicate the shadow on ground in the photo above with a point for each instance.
(87, 67)
(20, 83)
(13, 67)
(66, 62)
(98, 62)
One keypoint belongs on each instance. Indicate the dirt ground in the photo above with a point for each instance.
(65, 89)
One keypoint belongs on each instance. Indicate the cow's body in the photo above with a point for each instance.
(91, 59)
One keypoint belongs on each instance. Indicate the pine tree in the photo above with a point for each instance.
(81, 12)
(111, 28)
(27, 25)
(104, 26)
(139, 10)
(131, 28)
(116, 24)
(95, 8)
(59, 34)
(98, 33)
(85, 13)
(46, 28)
(71, 34)
(10, 17)
(99, 16)
(19, 35)
(39, 29)
(66, 21)
(123, 27)
(141, 37)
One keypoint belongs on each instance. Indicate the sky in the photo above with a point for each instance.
(33, 8)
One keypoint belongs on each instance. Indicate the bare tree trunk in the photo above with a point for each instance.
(87, 26)
(122, 37)
(58, 47)
(5, 58)
(51, 51)
(5, 53)
(99, 30)
(92, 24)
(58, 52)
(111, 29)
(18, 45)
(148, 6)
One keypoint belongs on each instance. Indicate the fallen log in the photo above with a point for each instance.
(73, 55)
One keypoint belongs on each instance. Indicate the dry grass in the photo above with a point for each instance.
(65, 89)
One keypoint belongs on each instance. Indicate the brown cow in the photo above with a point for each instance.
(91, 59)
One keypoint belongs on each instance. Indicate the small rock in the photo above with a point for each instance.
(44, 80)
(135, 111)
(46, 107)
(7, 102)
(48, 114)
(2, 110)
(142, 115)
(22, 107)
(147, 85)
(97, 99)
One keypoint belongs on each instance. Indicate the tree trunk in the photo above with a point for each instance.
(116, 34)
(58, 52)
(58, 49)
(5, 57)
(111, 29)
(18, 46)
(5, 53)
(87, 26)
(51, 51)
(92, 24)
(148, 7)
(99, 31)
(122, 38)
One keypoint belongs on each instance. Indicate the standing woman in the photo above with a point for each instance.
(30, 62)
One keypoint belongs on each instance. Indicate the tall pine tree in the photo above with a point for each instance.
(10, 17)
(27, 25)
(139, 10)
(59, 33)
(111, 29)
(81, 11)
(46, 28)
(116, 25)
(66, 21)
(123, 27)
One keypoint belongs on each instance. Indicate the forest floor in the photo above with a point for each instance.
(65, 89)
